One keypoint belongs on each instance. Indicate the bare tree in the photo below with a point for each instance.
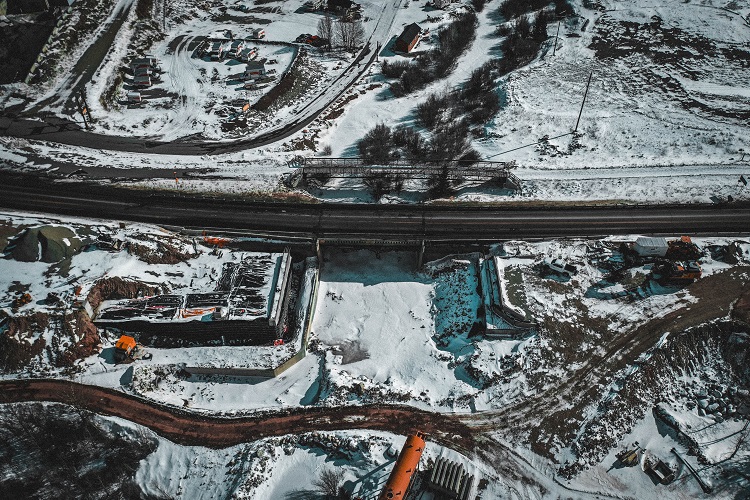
(328, 482)
(350, 34)
(342, 33)
(358, 35)
(325, 30)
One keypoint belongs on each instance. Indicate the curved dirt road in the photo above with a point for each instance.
(192, 429)
(216, 432)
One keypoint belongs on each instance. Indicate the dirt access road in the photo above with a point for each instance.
(561, 406)
(192, 429)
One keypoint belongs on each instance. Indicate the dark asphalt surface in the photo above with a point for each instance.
(378, 222)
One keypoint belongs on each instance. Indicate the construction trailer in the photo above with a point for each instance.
(405, 468)
(142, 81)
(147, 62)
(650, 246)
(247, 54)
(255, 69)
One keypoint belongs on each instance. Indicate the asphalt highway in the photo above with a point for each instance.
(362, 222)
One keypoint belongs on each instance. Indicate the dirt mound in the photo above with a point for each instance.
(164, 254)
(16, 348)
(79, 326)
(46, 244)
(720, 348)
(115, 288)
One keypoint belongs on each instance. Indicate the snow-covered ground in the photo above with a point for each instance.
(656, 128)
(386, 332)
(288, 467)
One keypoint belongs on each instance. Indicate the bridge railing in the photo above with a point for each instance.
(425, 169)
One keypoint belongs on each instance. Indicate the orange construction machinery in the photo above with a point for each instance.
(403, 471)
(679, 273)
(216, 241)
(125, 348)
(128, 350)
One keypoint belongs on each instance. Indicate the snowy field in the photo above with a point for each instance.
(656, 127)
(286, 467)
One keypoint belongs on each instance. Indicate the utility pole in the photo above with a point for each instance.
(584, 101)
(554, 49)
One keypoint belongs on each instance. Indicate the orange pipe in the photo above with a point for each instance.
(406, 465)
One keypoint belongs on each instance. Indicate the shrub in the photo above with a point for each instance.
(481, 80)
(478, 5)
(412, 144)
(439, 186)
(380, 184)
(539, 33)
(510, 9)
(375, 146)
(449, 142)
(394, 69)
(431, 111)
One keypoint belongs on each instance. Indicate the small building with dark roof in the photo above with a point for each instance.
(408, 38)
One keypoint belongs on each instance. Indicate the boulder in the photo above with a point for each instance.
(703, 404)
(713, 407)
(701, 412)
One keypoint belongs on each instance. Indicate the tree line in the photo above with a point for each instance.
(346, 33)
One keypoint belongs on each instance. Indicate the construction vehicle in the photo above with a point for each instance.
(128, 350)
(662, 471)
(683, 249)
(21, 300)
(678, 273)
(628, 457)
